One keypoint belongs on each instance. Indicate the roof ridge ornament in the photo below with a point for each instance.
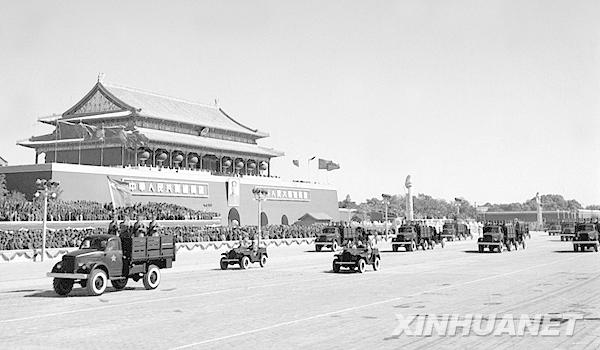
(101, 77)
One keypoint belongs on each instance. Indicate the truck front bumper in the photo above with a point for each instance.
(323, 243)
(230, 260)
(344, 263)
(495, 244)
(71, 276)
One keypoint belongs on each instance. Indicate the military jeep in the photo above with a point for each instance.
(357, 259)
(243, 256)
(586, 236)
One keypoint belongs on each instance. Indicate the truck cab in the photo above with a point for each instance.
(103, 258)
(586, 236)
(554, 229)
(331, 237)
(567, 231)
(406, 237)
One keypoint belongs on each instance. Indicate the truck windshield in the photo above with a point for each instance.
(585, 227)
(491, 229)
(555, 227)
(405, 229)
(93, 243)
(329, 230)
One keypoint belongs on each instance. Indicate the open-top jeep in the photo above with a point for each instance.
(567, 231)
(101, 258)
(331, 237)
(586, 236)
(357, 258)
(243, 256)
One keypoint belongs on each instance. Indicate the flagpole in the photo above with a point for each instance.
(56, 141)
(102, 147)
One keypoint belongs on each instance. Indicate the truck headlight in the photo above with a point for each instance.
(59, 265)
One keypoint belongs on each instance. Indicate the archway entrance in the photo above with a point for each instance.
(233, 218)
(284, 220)
(264, 220)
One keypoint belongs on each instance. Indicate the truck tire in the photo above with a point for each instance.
(318, 248)
(244, 262)
(596, 248)
(361, 265)
(509, 246)
(263, 260)
(119, 284)
(481, 249)
(394, 248)
(575, 248)
(62, 286)
(376, 263)
(224, 264)
(336, 267)
(151, 278)
(334, 246)
(443, 242)
(523, 244)
(97, 281)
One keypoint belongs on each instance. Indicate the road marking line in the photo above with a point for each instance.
(354, 308)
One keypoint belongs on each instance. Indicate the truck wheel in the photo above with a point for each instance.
(575, 248)
(224, 264)
(119, 284)
(481, 249)
(361, 265)
(151, 277)
(509, 246)
(394, 248)
(376, 263)
(523, 244)
(244, 262)
(62, 286)
(263, 260)
(413, 246)
(336, 267)
(334, 246)
(318, 248)
(97, 281)
(516, 245)
(596, 248)
(443, 242)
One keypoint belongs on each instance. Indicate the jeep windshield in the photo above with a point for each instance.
(491, 229)
(93, 243)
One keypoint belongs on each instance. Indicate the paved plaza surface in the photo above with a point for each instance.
(297, 302)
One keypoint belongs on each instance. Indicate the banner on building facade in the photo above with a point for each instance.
(146, 187)
(233, 192)
(288, 194)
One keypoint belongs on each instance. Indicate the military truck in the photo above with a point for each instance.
(586, 236)
(103, 258)
(455, 231)
(331, 237)
(243, 256)
(407, 237)
(567, 231)
(554, 229)
(499, 237)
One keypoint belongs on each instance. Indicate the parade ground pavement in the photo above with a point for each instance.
(296, 301)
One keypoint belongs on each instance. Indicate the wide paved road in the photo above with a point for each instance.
(296, 302)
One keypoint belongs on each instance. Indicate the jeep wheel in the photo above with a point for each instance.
(224, 264)
(334, 246)
(336, 267)
(119, 284)
(376, 263)
(318, 248)
(263, 260)
(361, 265)
(151, 277)
(97, 282)
(244, 262)
(62, 286)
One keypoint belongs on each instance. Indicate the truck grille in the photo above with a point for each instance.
(322, 239)
(584, 237)
(68, 263)
(488, 238)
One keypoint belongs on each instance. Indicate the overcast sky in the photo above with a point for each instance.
(490, 100)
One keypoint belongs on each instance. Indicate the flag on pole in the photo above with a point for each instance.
(120, 194)
(332, 166)
(328, 165)
(323, 163)
(296, 162)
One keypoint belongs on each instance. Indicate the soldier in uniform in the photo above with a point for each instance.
(153, 227)
(139, 228)
(125, 228)
(113, 227)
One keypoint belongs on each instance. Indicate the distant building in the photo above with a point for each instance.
(531, 216)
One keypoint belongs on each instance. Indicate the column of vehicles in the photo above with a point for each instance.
(413, 235)
(501, 236)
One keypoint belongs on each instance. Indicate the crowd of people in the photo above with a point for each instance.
(17, 208)
(68, 238)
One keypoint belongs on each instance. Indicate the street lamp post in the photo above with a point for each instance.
(386, 200)
(45, 188)
(260, 194)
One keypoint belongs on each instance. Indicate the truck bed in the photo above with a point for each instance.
(144, 248)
